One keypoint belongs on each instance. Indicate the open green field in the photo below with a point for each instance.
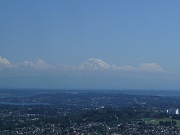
(156, 121)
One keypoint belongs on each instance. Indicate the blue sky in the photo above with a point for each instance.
(51, 39)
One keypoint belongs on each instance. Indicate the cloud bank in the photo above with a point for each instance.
(151, 67)
(97, 64)
(92, 64)
(39, 65)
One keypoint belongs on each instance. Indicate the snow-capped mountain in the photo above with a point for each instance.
(94, 64)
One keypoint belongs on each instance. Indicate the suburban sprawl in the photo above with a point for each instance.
(88, 112)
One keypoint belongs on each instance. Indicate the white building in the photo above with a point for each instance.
(173, 111)
(177, 111)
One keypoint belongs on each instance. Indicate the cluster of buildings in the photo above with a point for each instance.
(173, 111)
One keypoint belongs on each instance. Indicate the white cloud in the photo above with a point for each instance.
(125, 68)
(150, 67)
(39, 64)
(4, 61)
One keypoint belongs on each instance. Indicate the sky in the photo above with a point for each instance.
(90, 44)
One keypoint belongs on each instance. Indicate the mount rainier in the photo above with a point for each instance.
(94, 64)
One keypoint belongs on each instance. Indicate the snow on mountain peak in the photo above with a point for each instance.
(94, 64)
